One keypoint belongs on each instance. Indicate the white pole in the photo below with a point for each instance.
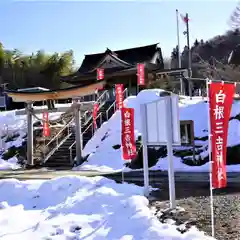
(210, 161)
(145, 150)
(169, 127)
(179, 51)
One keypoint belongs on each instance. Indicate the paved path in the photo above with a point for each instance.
(156, 177)
(45, 174)
(162, 176)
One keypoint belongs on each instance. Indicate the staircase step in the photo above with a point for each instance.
(65, 151)
(61, 157)
(57, 165)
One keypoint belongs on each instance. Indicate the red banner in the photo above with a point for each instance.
(141, 74)
(128, 140)
(119, 95)
(46, 129)
(95, 112)
(220, 104)
(100, 76)
(100, 73)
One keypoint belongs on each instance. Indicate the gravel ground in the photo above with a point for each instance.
(194, 198)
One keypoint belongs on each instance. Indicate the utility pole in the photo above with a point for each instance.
(179, 52)
(189, 57)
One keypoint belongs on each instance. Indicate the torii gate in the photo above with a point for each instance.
(39, 94)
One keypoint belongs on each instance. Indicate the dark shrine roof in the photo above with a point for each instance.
(131, 56)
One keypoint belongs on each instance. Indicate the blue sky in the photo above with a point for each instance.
(90, 27)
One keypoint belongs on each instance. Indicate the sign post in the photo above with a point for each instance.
(161, 126)
(145, 150)
(171, 181)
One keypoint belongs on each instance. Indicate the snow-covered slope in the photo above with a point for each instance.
(82, 208)
(104, 157)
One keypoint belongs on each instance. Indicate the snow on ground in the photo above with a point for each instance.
(104, 158)
(82, 208)
(12, 124)
(11, 163)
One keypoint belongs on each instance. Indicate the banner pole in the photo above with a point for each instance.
(145, 149)
(123, 174)
(210, 160)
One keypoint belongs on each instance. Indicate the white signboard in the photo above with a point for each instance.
(161, 126)
(156, 116)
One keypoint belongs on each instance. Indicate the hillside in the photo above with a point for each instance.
(210, 58)
(218, 47)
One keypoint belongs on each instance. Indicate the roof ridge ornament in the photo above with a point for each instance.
(108, 51)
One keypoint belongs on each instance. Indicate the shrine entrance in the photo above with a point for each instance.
(29, 96)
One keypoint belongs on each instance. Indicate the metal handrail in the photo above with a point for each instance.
(100, 102)
(71, 147)
(125, 94)
(70, 122)
(84, 116)
(90, 125)
(56, 136)
(58, 142)
(55, 148)
(102, 96)
(112, 105)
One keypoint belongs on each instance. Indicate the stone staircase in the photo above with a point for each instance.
(63, 151)
(60, 159)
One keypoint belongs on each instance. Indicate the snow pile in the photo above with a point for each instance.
(11, 125)
(11, 163)
(82, 208)
(103, 157)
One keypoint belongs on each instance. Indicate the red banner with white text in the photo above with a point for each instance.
(220, 105)
(95, 112)
(141, 74)
(100, 76)
(128, 139)
(46, 129)
(119, 95)
(100, 73)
